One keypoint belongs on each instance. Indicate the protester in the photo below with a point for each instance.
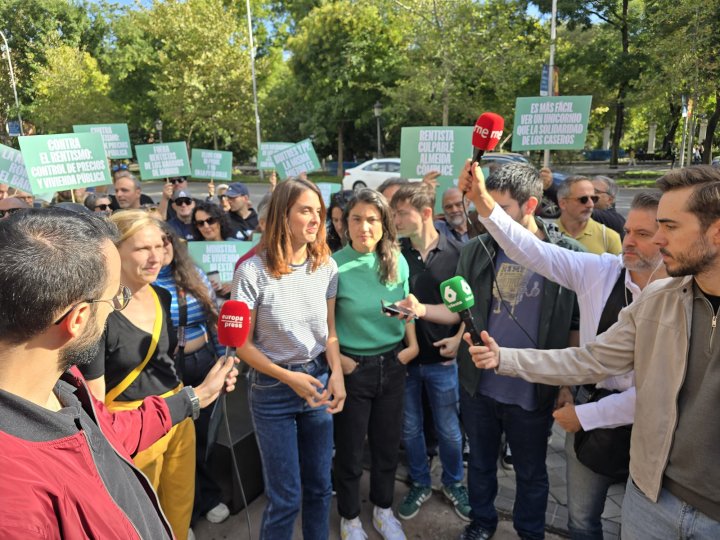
(243, 218)
(183, 206)
(290, 286)
(129, 366)
(10, 205)
(604, 285)
(455, 218)
(526, 310)
(373, 355)
(388, 188)
(194, 312)
(577, 199)
(171, 191)
(605, 212)
(210, 224)
(336, 237)
(100, 204)
(67, 460)
(432, 258)
(27, 198)
(128, 192)
(666, 336)
(4, 189)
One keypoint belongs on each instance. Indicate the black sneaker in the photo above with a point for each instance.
(476, 532)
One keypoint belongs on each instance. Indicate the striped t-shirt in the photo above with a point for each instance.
(291, 312)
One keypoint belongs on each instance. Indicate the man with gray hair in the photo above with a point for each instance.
(128, 192)
(605, 213)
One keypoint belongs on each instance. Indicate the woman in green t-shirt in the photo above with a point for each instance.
(374, 350)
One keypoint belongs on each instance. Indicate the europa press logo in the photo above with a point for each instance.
(232, 321)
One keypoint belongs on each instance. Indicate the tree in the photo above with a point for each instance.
(343, 56)
(70, 89)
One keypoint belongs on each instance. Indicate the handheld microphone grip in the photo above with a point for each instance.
(470, 327)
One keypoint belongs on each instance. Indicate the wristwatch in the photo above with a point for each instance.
(194, 401)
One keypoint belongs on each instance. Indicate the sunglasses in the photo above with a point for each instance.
(585, 198)
(121, 167)
(183, 201)
(102, 207)
(174, 181)
(208, 221)
(8, 212)
(150, 207)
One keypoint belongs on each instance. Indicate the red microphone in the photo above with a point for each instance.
(233, 325)
(487, 133)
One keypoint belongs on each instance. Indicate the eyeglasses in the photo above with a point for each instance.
(102, 207)
(183, 201)
(118, 302)
(121, 167)
(585, 198)
(174, 181)
(8, 212)
(208, 221)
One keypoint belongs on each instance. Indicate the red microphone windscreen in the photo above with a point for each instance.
(233, 324)
(488, 131)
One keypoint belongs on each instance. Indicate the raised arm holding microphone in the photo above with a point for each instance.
(668, 337)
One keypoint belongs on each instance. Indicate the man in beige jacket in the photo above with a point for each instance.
(668, 336)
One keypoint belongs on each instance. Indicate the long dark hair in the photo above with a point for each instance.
(337, 200)
(276, 241)
(186, 276)
(387, 248)
(214, 211)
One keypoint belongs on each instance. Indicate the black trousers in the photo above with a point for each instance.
(373, 407)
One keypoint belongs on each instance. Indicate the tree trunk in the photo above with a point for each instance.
(446, 102)
(670, 134)
(622, 89)
(341, 151)
(712, 125)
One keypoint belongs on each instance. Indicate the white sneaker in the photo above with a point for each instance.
(387, 524)
(218, 514)
(352, 529)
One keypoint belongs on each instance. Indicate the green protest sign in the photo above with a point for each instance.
(12, 169)
(551, 123)
(67, 161)
(219, 256)
(296, 159)
(212, 164)
(115, 137)
(441, 149)
(267, 149)
(162, 160)
(327, 189)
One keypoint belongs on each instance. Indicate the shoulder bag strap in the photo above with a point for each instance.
(130, 378)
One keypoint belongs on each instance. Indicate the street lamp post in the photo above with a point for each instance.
(377, 111)
(158, 128)
(12, 81)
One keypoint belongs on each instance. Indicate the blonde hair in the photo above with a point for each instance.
(130, 222)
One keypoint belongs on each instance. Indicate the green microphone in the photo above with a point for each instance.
(458, 298)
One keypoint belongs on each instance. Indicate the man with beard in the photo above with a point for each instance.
(455, 225)
(667, 336)
(64, 458)
(604, 285)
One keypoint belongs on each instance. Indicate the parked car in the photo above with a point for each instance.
(716, 162)
(371, 173)
(511, 157)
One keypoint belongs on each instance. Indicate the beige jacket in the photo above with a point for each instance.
(652, 337)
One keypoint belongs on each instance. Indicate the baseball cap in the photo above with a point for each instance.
(237, 189)
(180, 194)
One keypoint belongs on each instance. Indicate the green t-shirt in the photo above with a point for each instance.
(361, 326)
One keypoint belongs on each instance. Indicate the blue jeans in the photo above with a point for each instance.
(441, 384)
(526, 432)
(295, 443)
(669, 517)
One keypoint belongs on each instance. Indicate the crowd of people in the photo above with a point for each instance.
(581, 326)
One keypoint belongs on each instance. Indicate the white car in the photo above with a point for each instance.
(371, 173)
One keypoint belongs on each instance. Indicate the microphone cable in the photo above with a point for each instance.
(502, 301)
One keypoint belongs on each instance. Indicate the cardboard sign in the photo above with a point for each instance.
(66, 161)
(296, 159)
(551, 123)
(162, 160)
(219, 256)
(327, 189)
(267, 149)
(12, 169)
(212, 164)
(115, 137)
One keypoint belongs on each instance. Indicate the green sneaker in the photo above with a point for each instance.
(457, 494)
(412, 502)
